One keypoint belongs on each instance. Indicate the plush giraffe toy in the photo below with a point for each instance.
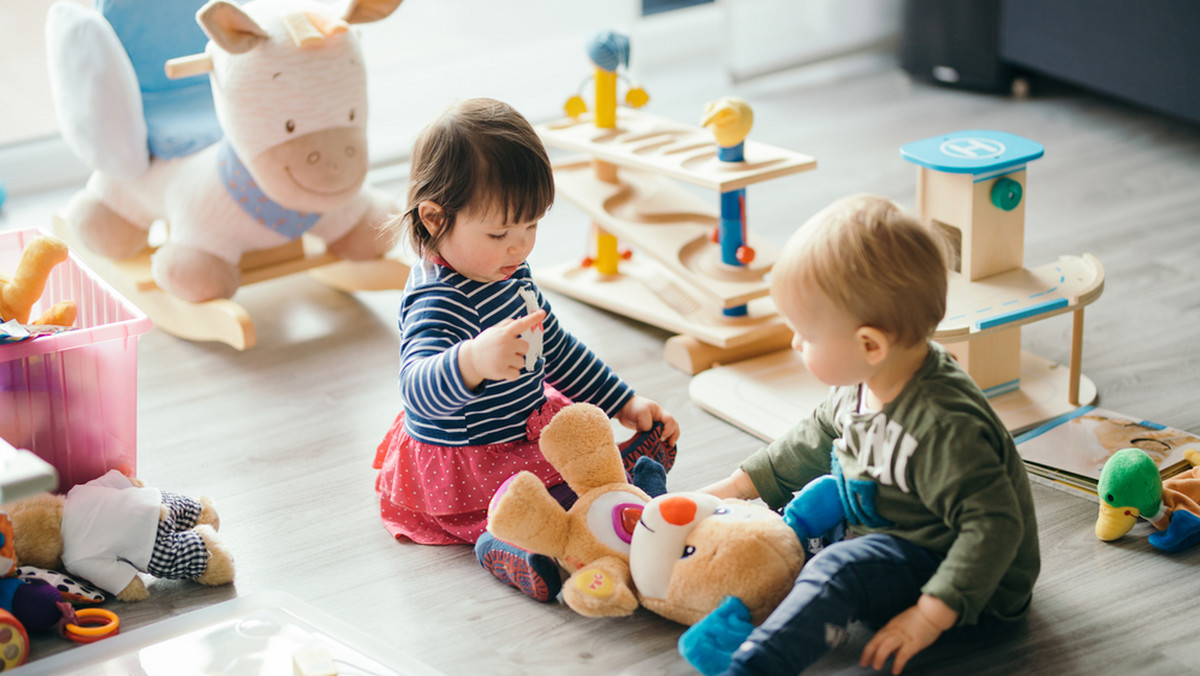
(19, 292)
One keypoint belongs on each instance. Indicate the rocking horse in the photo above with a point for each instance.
(259, 174)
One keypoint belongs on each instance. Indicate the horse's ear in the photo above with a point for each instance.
(231, 28)
(366, 11)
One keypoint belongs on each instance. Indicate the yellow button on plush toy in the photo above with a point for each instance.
(594, 582)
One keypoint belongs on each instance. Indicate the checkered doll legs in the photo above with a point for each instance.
(179, 551)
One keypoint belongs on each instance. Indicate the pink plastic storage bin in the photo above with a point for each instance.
(71, 398)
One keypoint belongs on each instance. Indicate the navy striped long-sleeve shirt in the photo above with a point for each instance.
(440, 309)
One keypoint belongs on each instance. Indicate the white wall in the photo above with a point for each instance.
(764, 36)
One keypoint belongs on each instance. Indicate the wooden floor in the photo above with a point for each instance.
(282, 436)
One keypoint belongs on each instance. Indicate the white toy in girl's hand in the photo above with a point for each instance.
(532, 336)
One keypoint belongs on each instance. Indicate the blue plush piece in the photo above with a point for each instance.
(1182, 533)
(816, 509)
(180, 116)
(116, 106)
(709, 644)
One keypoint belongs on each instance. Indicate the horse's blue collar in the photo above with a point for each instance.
(245, 191)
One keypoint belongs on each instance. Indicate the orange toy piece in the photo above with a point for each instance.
(14, 642)
(19, 292)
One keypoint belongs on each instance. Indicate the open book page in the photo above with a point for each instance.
(1074, 447)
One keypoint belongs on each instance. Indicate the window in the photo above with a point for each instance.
(658, 6)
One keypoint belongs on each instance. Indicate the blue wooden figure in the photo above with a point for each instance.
(730, 119)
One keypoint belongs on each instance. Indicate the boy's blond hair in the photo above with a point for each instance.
(873, 261)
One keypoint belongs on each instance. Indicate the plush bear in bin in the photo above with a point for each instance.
(113, 527)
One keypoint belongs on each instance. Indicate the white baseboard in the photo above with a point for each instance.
(40, 166)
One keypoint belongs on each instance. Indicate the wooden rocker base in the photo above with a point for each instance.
(767, 395)
(223, 320)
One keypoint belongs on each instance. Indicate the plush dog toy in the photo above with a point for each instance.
(1131, 487)
(288, 84)
(20, 291)
(110, 528)
(679, 555)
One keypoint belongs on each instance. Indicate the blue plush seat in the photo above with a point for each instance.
(116, 107)
(180, 117)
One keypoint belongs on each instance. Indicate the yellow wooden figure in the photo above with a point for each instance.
(19, 292)
(608, 51)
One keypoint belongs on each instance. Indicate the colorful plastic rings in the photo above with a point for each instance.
(94, 624)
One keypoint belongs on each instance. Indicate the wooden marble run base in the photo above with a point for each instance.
(645, 291)
(767, 395)
(662, 220)
(223, 320)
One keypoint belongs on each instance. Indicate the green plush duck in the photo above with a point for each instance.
(1131, 487)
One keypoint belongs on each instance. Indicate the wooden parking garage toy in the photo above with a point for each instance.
(971, 185)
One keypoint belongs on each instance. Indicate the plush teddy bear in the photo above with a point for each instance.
(34, 603)
(591, 539)
(110, 528)
(691, 551)
(679, 555)
(20, 291)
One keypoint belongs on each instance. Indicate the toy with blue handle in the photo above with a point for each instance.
(709, 644)
(816, 509)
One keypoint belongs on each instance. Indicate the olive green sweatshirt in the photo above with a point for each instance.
(935, 467)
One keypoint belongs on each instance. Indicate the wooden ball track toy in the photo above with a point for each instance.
(699, 270)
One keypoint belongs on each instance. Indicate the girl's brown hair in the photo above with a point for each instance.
(479, 153)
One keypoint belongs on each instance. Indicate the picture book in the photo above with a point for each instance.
(1073, 448)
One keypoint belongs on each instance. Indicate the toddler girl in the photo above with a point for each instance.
(484, 363)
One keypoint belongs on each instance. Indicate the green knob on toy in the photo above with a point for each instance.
(1006, 194)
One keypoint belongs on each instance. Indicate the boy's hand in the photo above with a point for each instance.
(908, 633)
(736, 485)
(498, 353)
(640, 413)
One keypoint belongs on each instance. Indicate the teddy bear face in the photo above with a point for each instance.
(38, 519)
(691, 550)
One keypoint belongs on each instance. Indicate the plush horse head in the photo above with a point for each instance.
(291, 93)
(289, 88)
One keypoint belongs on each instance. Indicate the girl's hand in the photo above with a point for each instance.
(640, 413)
(498, 353)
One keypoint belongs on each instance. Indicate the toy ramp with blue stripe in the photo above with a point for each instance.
(1019, 296)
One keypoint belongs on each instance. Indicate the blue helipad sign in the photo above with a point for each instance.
(972, 152)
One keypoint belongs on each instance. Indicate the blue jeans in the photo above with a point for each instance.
(871, 579)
